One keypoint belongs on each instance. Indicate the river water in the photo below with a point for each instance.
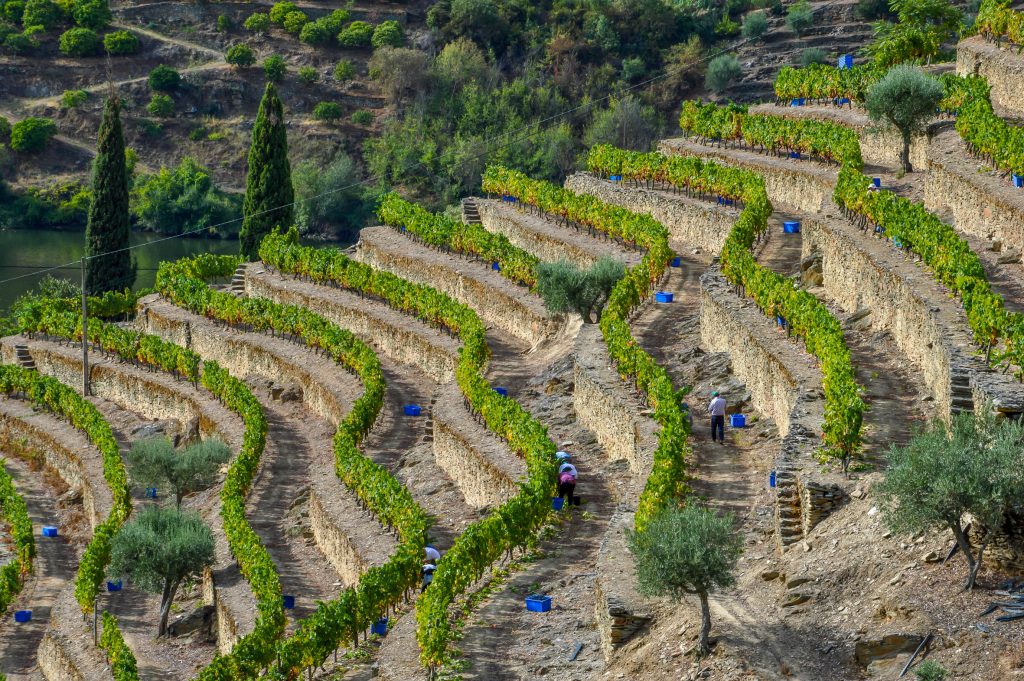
(24, 252)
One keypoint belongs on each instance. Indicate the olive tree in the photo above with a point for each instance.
(155, 463)
(688, 551)
(566, 288)
(905, 99)
(158, 550)
(722, 72)
(942, 476)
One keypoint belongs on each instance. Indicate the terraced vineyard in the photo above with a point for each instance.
(413, 391)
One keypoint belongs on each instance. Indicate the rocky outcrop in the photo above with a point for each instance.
(1002, 67)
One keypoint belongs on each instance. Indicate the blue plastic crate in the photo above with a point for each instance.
(677, 262)
(151, 492)
(876, 182)
(49, 531)
(380, 627)
(616, 178)
(798, 101)
(538, 603)
(557, 503)
(738, 421)
(897, 243)
(412, 409)
(846, 61)
(23, 616)
(791, 226)
(722, 201)
(501, 391)
(794, 154)
(1018, 180)
(288, 602)
(114, 586)
(771, 479)
(839, 101)
(663, 297)
(780, 320)
(496, 267)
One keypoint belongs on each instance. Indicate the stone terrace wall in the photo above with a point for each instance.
(981, 205)
(401, 343)
(54, 661)
(496, 308)
(501, 219)
(619, 609)
(806, 188)
(690, 222)
(1002, 68)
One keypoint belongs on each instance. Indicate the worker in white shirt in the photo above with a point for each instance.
(433, 555)
(717, 411)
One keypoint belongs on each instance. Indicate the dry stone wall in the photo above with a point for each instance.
(690, 222)
(501, 219)
(55, 662)
(1003, 68)
(402, 343)
(522, 318)
(619, 609)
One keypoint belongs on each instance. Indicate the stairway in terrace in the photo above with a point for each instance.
(238, 280)
(470, 211)
(24, 357)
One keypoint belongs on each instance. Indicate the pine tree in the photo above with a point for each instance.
(108, 226)
(268, 186)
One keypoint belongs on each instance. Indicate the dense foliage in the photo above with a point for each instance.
(15, 515)
(183, 199)
(905, 99)
(773, 293)
(31, 134)
(564, 287)
(996, 20)
(109, 265)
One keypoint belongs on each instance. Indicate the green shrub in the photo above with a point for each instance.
(33, 31)
(274, 68)
(722, 72)
(258, 22)
(872, 10)
(755, 25)
(800, 17)
(633, 69)
(72, 99)
(240, 55)
(94, 14)
(315, 33)
(566, 288)
(224, 23)
(121, 42)
(294, 22)
(813, 55)
(5, 129)
(198, 133)
(13, 10)
(150, 128)
(930, 670)
(362, 117)
(726, 27)
(41, 13)
(308, 75)
(327, 111)
(387, 34)
(356, 34)
(344, 71)
(163, 78)
(31, 134)
(80, 42)
(160, 106)
(280, 10)
(19, 43)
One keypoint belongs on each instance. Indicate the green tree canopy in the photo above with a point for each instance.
(566, 288)
(155, 463)
(905, 98)
(158, 550)
(268, 186)
(941, 477)
(181, 199)
(626, 123)
(918, 35)
(109, 266)
(30, 134)
(688, 551)
(329, 200)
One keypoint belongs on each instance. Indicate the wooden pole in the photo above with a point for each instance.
(85, 336)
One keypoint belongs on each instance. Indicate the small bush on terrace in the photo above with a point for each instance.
(344, 71)
(294, 21)
(722, 72)
(274, 68)
(224, 23)
(121, 42)
(387, 34)
(12, 11)
(19, 43)
(258, 22)
(930, 670)
(813, 55)
(566, 288)
(164, 79)
(240, 55)
(72, 99)
(280, 10)
(327, 111)
(362, 117)
(30, 135)
(94, 14)
(308, 75)
(755, 25)
(356, 34)
(800, 17)
(5, 129)
(41, 13)
(160, 106)
(80, 42)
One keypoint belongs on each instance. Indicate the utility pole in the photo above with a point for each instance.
(85, 336)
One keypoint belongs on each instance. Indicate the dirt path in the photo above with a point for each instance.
(53, 570)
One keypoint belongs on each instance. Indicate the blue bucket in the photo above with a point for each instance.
(49, 531)
(738, 421)
(791, 226)
(23, 616)
(114, 586)
(557, 503)
(1018, 180)
(288, 602)
(412, 409)
(677, 262)
(663, 297)
(380, 627)
(897, 243)
(538, 603)
(616, 178)
(846, 61)
(502, 391)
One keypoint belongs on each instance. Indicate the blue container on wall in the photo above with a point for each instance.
(663, 297)
(151, 492)
(114, 586)
(846, 61)
(49, 531)
(738, 421)
(616, 178)
(791, 226)
(380, 627)
(780, 320)
(496, 267)
(288, 602)
(677, 262)
(771, 479)
(502, 391)
(799, 101)
(412, 409)
(794, 154)
(877, 182)
(23, 616)
(1018, 180)
(538, 603)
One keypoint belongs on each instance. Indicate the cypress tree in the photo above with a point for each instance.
(108, 226)
(268, 186)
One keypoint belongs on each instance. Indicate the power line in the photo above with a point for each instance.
(488, 150)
